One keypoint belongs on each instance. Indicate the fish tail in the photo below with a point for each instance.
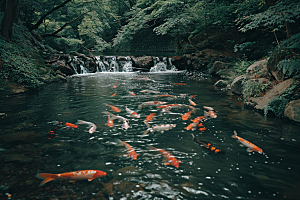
(145, 132)
(46, 176)
(148, 125)
(193, 137)
(234, 135)
(119, 142)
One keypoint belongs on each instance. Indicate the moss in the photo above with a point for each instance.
(277, 106)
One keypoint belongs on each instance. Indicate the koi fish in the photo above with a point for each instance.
(67, 124)
(110, 122)
(92, 127)
(132, 113)
(211, 113)
(150, 117)
(160, 128)
(195, 123)
(251, 146)
(179, 83)
(165, 95)
(193, 96)
(72, 176)
(207, 145)
(120, 118)
(130, 150)
(51, 134)
(192, 103)
(131, 93)
(144, 79)
(113, 95)
(114, 86)
(114, 108)
(171, 160)
(199, 119)
(151, 103)
(149, 91)
(187, 115)
(177, 106)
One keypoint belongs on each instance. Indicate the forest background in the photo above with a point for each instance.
(238, 32)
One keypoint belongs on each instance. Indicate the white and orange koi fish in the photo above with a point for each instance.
(170, 159)
(160, 128)
(192, 103)
(92, 126)
(132, 113)
(72, 176)
(113, 108)
(251, 146)
(187, 115)
(150, 91)
(130, 150)
(132, 93)
(151, 103)
(211, 112)
(110, 122)
(120, 118)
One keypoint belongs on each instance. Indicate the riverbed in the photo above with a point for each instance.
(35, 139)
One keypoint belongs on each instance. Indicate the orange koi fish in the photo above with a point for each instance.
(114, 108)
(171, 160)
(130, 150)
(114, 86)
(151, 103)
(199, 119)
(72, 176)
(110, 122)
(150, 117)
(67, 124)
(193, 96)
(165, 95)
(179, 83)
(192, 103)
(187, 115)
(160, 128)
(195, 123)
(251, 146)
(113, 95)
(208, 146)
(132, 113)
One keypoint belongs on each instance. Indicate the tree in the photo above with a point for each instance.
(9, 18)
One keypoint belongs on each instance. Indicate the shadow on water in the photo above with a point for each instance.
(32, 142)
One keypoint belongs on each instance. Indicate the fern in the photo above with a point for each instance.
(277, 106)
(289, 67)
(252, 88)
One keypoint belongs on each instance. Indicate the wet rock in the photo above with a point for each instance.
(217, 66)
(277, 90)
(236, 85)
(142, 62)
(258, 69)
(181, 62)
(221, 83)
(17, 158)
(25, 137)
(292, 110)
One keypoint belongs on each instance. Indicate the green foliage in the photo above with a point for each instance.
(273, 18)
(293, 92)
(67, 44)
(277, 106)
(244, 46)
(253, 88)
(289, 67)
(234, 70)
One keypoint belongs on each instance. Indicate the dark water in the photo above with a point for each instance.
(26, 119)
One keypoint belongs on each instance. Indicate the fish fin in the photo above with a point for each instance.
(90, 179)
(249, 150)
(72, 181)
(167, 163)
(138, 154)
(119, 142)
(145, 132)
(46, 176)
(179, 161)
(241, 145)
(148, 125)
(234, 135)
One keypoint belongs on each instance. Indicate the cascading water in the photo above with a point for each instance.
(81, 64)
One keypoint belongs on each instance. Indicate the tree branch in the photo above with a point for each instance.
(46, 14)
(66, 24)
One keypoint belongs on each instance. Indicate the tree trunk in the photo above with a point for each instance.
(9, 18)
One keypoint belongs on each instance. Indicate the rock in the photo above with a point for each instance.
(221, 83)
(258, 69)
(217, 66)
(277, 90)
(142, 62)
(292, 110)
(236, 85)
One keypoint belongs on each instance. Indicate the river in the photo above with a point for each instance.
(32, 142)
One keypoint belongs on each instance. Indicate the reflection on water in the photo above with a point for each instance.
(31, 143)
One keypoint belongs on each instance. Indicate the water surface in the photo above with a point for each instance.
(28, 149)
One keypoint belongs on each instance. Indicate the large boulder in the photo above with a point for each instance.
(292, 110)
(237, 85)
(277, 90)
(258, 69)
(142, 61)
